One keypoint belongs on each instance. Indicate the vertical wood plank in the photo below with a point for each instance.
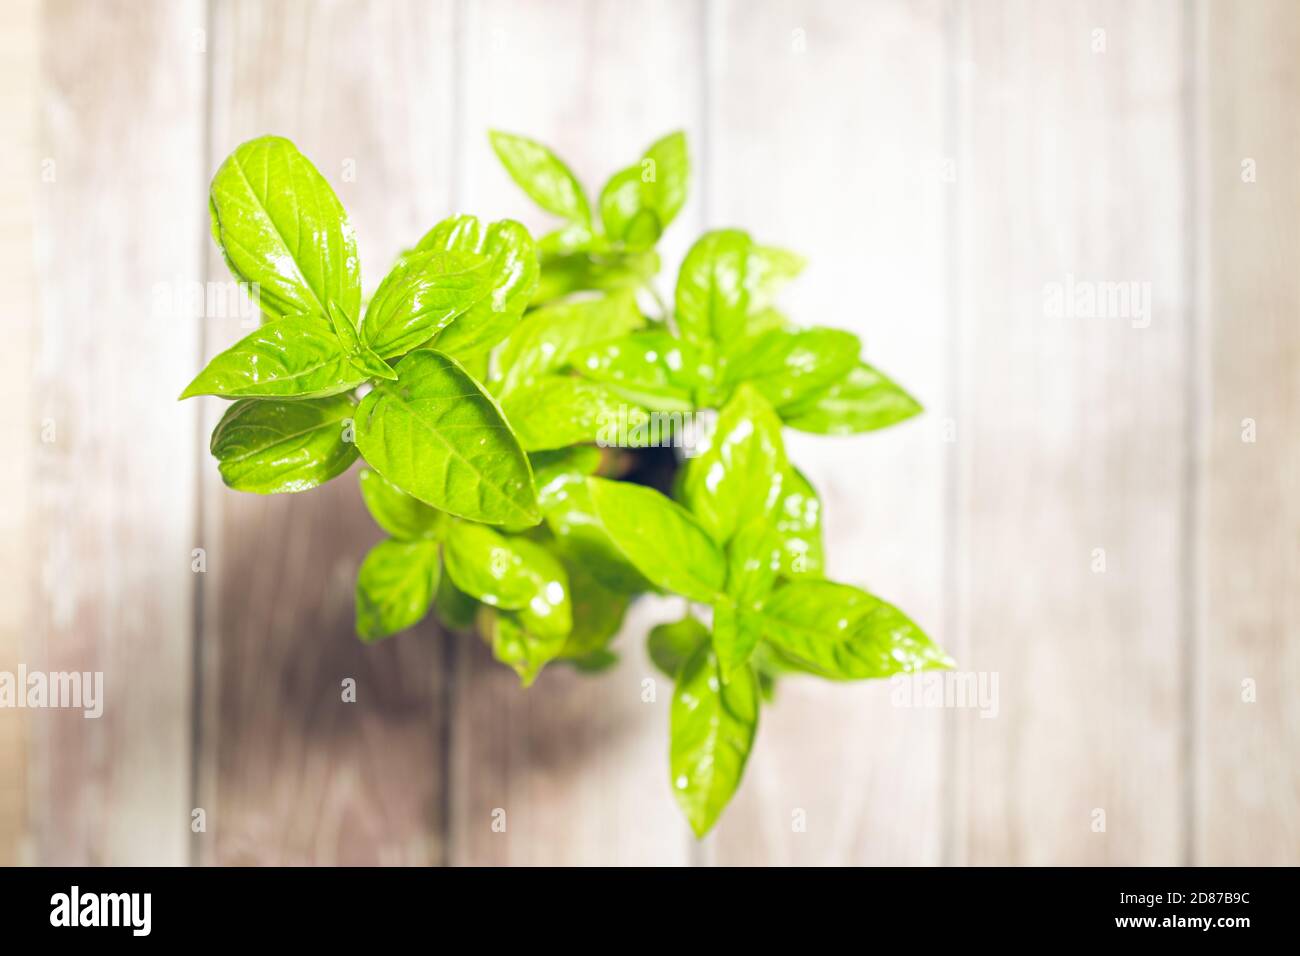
(120, 214)
(19, 182)
(828, 137)
(292, 773)
(1250, 733)
(578, 763)
(1073, 432)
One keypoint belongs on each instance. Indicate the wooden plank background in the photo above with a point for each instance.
(18, 107)
(876, 246)
(1249, 512)
(1073, 434)
(1098, 512)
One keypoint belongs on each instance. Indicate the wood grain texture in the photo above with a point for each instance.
(1250, 734)
(941, 163)
(19, 185)
(120, 212)
(1072, 431)
(839, 776)
(578, 763)
(292, 773)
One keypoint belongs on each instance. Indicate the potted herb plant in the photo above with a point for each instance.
(520, 406)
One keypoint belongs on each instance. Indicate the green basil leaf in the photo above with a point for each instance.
(476, 365)
(294, 357)
(281, 228)
(844, 633)
(579, 535)
(736, 477)
(597, 662)
(541, 174)
(454, 608)
(653, 368)
(403, 517)
(570, 238)
(579, 461)
(786, 366)
(362, 358)
(564, 273)
(597, 613)
(270, 447)
(712, 727)
(660, 538)
(735, 635)
(561, 410)
(672, 645)
(454, 234)
(713, 288)
(511, 573)
(512, 279)
(753, 562)
(436, 434)
(769, 269)
(639, 202)
(665, 174)
(395, 587)
(422, 294)
(768, 659)
(762, 320)
(547, 337)
(517, 646)
(622, 214)
(864, 400)
(799, 527)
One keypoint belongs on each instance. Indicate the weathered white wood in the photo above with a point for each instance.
(1072, 432)
(1249, 734)
(827, 136)
(578, 763)
(19, 181)
(822, 126)
(120, 216)
(292, 774)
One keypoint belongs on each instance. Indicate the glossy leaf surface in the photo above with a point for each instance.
(737, 476)
(652, 368)
(547, 338)
(844, 633)
(512, 573)
(422, 294)
(713, 288)
(660, 538)
(513, 271)
(786, 366)
(712, 729)
(295, 357)
(270, 447)
(542, 175)
(436, 434)
(561, 410)
(862, 401)
(398, 513)
(671, 645)
(395, 587)
(280, 227)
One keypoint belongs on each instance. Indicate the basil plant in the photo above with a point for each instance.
(532, 421)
